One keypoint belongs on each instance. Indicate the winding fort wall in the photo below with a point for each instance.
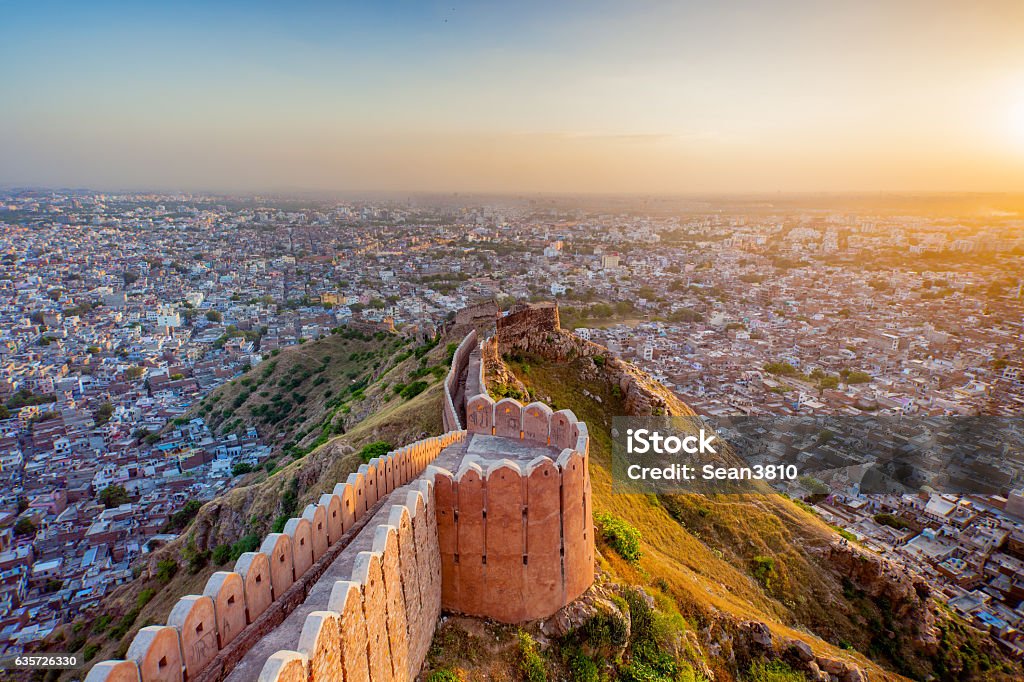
(501, 538)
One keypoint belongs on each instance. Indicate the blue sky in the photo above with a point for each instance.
(587, 96)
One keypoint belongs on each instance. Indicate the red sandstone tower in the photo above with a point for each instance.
(514, 522)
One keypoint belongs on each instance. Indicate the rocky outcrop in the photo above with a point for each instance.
(741, 642)
(879, 578)
(599, 602)
(499, 379)
(534, 330)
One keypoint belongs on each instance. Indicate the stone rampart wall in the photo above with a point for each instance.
(527, 318)
(379, 624)
(517, 539)
(199, 627)
(460, 361)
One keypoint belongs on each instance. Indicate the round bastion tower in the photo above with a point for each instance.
(514, 521)
(490, 519)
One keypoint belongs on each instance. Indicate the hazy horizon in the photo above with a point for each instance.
(583, 98)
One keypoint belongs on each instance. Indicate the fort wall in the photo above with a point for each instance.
(379, 624)
(201, 627)
(460, 361)
(517, 538)
(527, 319)
(502, 537)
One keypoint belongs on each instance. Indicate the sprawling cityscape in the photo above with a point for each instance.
(326, 329)
(119, 313)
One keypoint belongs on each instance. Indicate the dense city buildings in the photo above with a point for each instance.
(119, 313)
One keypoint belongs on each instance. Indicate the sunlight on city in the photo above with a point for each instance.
(512, 341)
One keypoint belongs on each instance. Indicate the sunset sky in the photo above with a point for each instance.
(515, 97)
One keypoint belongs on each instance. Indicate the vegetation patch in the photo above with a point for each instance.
(773, 671)
(763, 570)
(378, 448)
(891, 521)
(531, 664)
(620, 536)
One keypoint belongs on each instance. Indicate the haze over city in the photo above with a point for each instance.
(326, 329)
(579, 97)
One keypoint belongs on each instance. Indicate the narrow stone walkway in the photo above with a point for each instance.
(473, 375)
(286, 635)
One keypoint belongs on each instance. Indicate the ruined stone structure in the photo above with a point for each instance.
(353, 589)
(480, 315)
(528, 319)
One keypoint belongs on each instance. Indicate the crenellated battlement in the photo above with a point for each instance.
(352, 588)
(515, 526)
(263, 588)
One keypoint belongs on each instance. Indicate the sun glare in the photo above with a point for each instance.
(1015, 119)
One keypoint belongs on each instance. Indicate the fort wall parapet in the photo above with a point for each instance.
(517, 537)
(460, 361)
(202, 628)
(509, 535)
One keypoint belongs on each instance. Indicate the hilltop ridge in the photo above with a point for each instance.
(688, 586)
(761, 570)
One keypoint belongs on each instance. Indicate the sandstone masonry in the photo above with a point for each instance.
(509, 536)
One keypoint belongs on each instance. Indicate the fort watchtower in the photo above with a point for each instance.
(491, 519)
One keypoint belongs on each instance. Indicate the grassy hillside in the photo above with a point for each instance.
(711, 563)
(301, 396)
(323, 402)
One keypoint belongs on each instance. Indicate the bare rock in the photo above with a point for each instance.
(854, 674)
(832, 666)
(758, 633)
(801, 651)
(880, 578)
(596, 602)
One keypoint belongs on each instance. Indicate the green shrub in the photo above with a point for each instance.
(125, 624)
(582, 668)
(639, 671)
(101, 623)
(181, 518)
(773, 671)
(247, 543)
(444, 675)
(891, 521)
(145, 596)
(763, 570)
(412, 390)
(241, 468)
(377, 448)
(847, 535)
(221, 554)
(166, 569)
(620, 536)
(196, 558)
(531, 665)
(604, 629)
(649, 660)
